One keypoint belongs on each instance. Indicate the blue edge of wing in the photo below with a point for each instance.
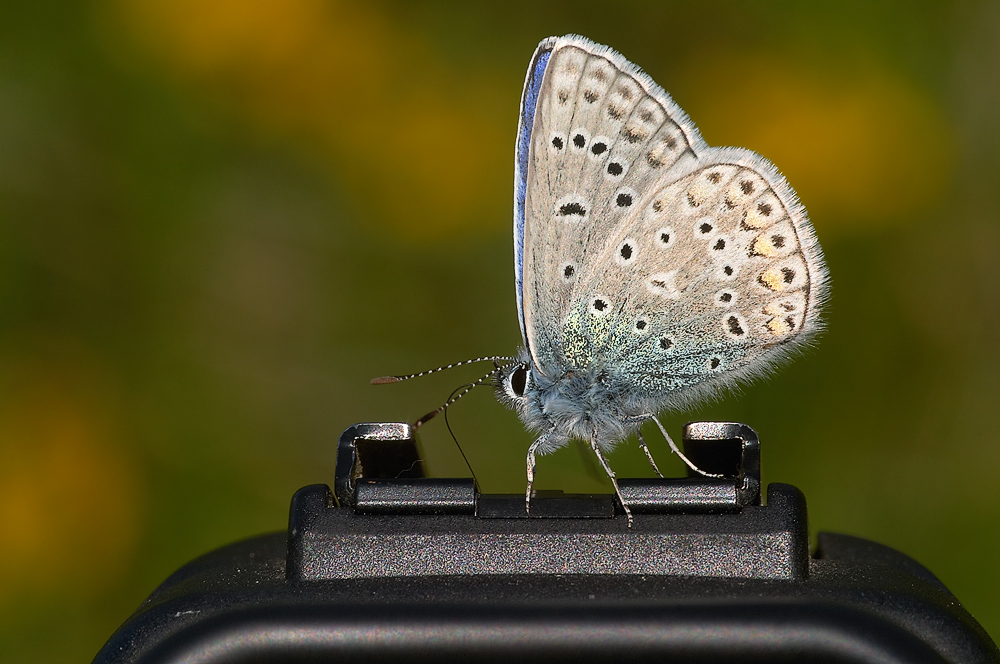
(527, 121)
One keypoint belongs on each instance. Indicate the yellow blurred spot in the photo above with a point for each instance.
(420, 146)
(771, 278)
(755, 217)
(778, 327)
(741, 188)
(763, 246)
(861, 145)
(68, 498)
(698, 194)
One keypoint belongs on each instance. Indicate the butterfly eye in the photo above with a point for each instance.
(519, 381)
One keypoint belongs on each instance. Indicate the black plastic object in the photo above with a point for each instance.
(391, 565)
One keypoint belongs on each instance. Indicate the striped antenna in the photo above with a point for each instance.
(385, 380)
(461, 392)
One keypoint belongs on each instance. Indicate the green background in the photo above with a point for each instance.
(219, 220)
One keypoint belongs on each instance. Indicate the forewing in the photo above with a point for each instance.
(601, 134)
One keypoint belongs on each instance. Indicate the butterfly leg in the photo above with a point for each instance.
(642, 444)
(673, 446)
(531, 469)
(612, 476)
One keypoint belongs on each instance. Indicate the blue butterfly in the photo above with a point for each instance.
(650, 269)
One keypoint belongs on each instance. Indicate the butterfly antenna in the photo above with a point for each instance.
(385, 380)
(447, 423)
(455, 396)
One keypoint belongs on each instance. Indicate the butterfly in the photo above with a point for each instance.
(651, 270)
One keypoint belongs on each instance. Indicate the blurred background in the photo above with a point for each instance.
(219, 220)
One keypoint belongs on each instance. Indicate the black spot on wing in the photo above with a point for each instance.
(572, 209)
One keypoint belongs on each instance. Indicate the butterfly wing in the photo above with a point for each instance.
(529, 100)
(674, 264)
(586, 115)
(716, 276)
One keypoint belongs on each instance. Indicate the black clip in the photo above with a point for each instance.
(379, 471)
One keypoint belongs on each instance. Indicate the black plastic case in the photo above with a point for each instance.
(391, 565)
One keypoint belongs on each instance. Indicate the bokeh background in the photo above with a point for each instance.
(219, 220)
